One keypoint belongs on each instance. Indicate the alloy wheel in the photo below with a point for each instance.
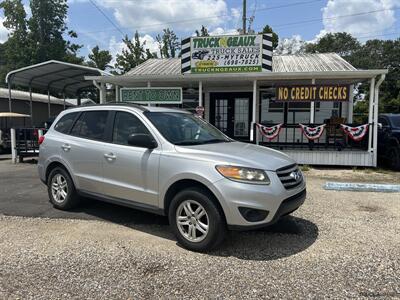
(59, 188)
(192, 221)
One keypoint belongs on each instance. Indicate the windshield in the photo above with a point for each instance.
(396, 121)
(185, 129)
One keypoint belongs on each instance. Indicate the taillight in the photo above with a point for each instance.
(41, 139)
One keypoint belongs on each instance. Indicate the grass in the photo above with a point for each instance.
(305, 168)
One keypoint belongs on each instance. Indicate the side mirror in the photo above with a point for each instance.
(379, 125)
(142, 140)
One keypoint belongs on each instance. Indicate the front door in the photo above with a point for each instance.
(231, 113)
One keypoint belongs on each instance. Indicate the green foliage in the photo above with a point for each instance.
(15, 51)
(100, 58)
(275, 38)
(168, 43)
(202, 32)
(37, 39)
(341, 43)
(132, 55)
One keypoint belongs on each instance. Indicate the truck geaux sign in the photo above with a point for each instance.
(319, 93)
(226, 54)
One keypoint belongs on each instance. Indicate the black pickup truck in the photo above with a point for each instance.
(389, 139)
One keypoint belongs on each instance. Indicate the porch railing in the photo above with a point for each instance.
(291, 137)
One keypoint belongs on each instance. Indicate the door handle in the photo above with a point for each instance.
(66, 147)
(110, 156)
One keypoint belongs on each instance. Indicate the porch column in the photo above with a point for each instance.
(370, 112)
(312, 106)
(254, 114)
(48, 102)
(30, 104)
(350, 105)
(200, 93)
(376, 112)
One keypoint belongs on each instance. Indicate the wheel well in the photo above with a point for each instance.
(180, 185)
(51, 167)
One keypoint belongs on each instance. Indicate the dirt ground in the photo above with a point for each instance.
(337, 245)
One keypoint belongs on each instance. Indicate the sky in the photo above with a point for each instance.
(105, 22)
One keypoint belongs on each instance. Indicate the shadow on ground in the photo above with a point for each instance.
(287, 237)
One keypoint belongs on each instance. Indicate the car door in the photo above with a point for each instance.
(130, 173)
(83, 150)
(382, 135)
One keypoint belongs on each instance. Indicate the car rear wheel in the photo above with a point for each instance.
(61, 189)
(196, 220)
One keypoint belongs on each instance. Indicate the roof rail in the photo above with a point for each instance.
(142, 108)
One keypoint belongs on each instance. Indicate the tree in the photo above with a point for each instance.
(132, 55)
(47, 28)
(275, 38)
(202, 32)
(14, 52)
(341, 43)
(100, 58)
(168, 43)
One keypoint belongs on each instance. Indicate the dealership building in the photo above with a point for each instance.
(300, 104)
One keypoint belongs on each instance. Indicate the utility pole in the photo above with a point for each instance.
(244, 17)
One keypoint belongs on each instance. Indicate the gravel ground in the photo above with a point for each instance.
(338, 245)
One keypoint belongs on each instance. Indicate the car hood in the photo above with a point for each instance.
(238, 153)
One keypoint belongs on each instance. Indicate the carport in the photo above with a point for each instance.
(55, 77)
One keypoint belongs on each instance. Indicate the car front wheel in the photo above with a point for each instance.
(196, 220)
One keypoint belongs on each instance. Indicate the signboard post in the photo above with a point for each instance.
(155, 95)
(227, 54)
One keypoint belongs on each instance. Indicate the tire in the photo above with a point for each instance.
(64, 201)
(394, 157)
(213, 217)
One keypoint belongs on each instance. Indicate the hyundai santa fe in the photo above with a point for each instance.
(169, 162)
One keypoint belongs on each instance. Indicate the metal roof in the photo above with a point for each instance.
(280, 63)
(36, 97)
(55, 76)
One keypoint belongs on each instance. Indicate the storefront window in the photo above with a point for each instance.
(325, 111)
(298, 112)
(271, 112)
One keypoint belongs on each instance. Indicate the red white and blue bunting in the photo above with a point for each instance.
(355, 133)
(270, 132)
(312, 133)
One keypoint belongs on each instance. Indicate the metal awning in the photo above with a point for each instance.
(54, 76)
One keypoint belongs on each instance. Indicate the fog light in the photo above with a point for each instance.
(253, 215)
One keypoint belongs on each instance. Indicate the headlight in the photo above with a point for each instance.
(242, 174)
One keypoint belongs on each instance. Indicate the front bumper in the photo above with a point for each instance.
(287, 206)
(274, 199)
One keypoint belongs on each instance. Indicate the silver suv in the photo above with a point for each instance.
(169, 162)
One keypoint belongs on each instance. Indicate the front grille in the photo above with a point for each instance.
(288, 178)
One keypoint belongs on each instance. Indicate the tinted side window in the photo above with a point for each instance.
(91, 125)
(65, 123)
(126, 124)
